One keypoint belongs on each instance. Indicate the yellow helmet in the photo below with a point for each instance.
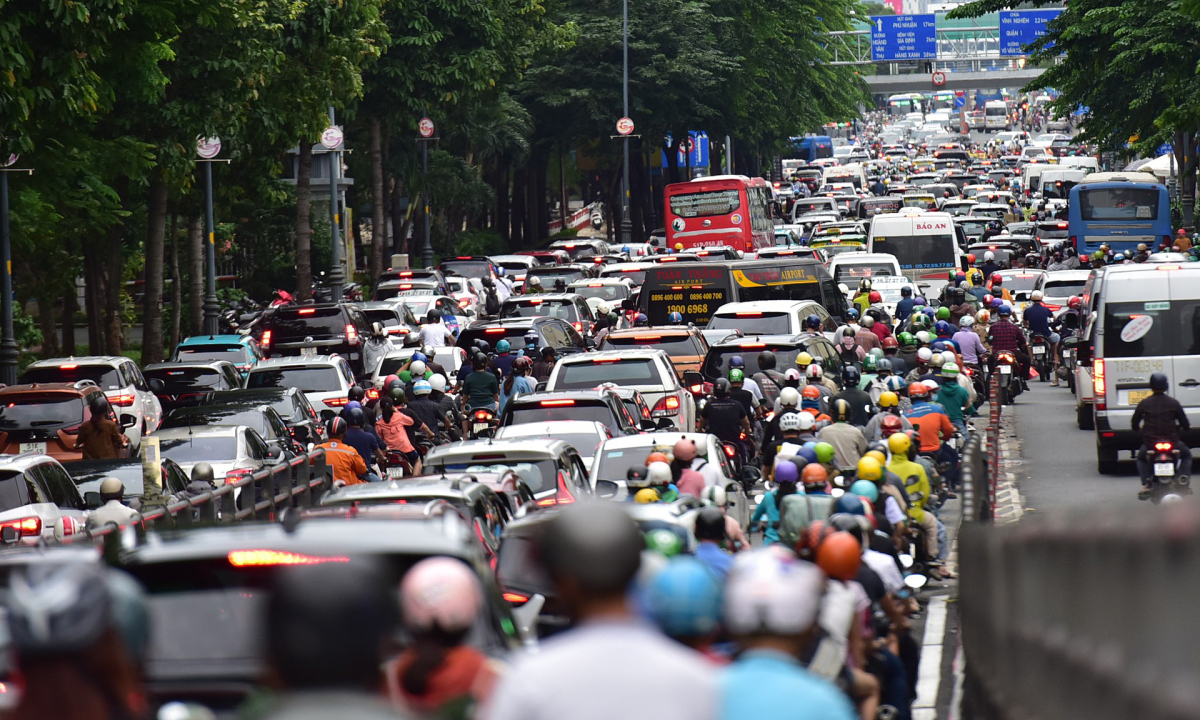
(646, 496)
(889, 399)
(899, 443)
(869, 469)
(878, 455)
(678, 247)
(804, 359)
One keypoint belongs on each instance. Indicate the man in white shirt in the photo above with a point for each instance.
(434, 333)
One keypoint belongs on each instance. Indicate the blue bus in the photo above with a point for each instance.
(811, 147)
(1120, 209)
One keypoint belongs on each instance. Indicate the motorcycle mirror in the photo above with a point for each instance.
(837, 492)
(906, 560)
(914, 581)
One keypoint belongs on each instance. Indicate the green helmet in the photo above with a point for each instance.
(907, 339)
(950, 370)
(877, 353)
(824, 452)
(922, 321)
(664, 542)
(870, 364)
(736, 375)
(943, 313)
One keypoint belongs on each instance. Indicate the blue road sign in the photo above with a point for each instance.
(1019, 28)
(903, 37)
(699, 151)
(960, 101)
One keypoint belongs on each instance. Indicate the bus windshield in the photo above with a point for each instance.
(1119, 203)
(705, 204)
(917, 252)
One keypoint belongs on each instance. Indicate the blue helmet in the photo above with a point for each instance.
(929, 311)
(675, 318)
(420, 356)
(852, 313)
(906, 291)
(502, 346)
(942, 327)
(850, 504)
(684, 598)
(352, 405)
(1005, 309)
(919, 301)
(938, 346)
(812, 322)
(997, 303)
(809, 454)
(737, 362)
(640, 320)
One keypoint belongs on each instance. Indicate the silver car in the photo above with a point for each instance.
(234, 451)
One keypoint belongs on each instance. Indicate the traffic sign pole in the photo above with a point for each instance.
(626, 236)
(426, 128)
(208, 149)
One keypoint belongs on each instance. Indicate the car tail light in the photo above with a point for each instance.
(307, 311)
(122, 400)
(606, 361)
(70, 366)
(265, 558)
(667, 406)
(1099, 383)
(26, 526)
(1062, 225)
(754, 346)
(595, 285)
(1163, 446)
(337, 401)
(237, 475)
(372, 394)
(578, 326)
(73, 430)
(494, 331)
(1053, 307)
(515, 598)
(266, 339)
(749, 314)
(730, 450)
(351, 334)
(464, 302)
(556, 403)
(1167, 267)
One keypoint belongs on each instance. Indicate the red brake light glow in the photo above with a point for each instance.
(513, 597)
(494, 331)
(557, 403)
(753, 345)
(578, 326)
(266, 338)
(372, 394)
(336, 402)
(265, 558)
(307, 311)
(121, 400)
(536, 302)
(351, 334)
(464, 302)
(591, 285)
(1162, 446)
(71, 366)
(749, 314)
(25, 526)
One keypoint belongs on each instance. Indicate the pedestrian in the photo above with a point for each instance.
(99, 437)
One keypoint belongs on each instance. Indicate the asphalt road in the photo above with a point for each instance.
(1058, 460)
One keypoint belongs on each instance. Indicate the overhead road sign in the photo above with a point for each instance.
(1020, 28)
(903, 37)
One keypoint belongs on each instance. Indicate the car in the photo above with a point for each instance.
(1057, 287)
(1020, 283)
(634, 402)
(453, 315)
(601, 404)
(685, 344)
(891, 289)
(611, 291)
(634, 272)
(1003, 252)
(515, 267)
(581, 248)
(769, 317)
(472, 266)
(219, 578)
(233, 451)
(450, 358)
(551, 276)
(400, 288)
(584, 435)
(324, 329)
(993, 211)
(570, 307)
(849, 269)
(647, 370)
(552, 332)
(958, 208)
(1052, 232)
(791, 252)
(45, 418)
(547, 257)
(38, 498)
(265, 420)
(395, 318)
(241, 350)
(553, 469)
(617, 455)
(88, 474)
(177, 384)
(324, 380)
(291, 403)
(973, 227)
(120, 380)
(402, 275)
(466, 293)
(784, 347)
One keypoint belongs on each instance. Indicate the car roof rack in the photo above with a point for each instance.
(81, 384)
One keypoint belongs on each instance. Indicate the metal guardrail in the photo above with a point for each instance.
(980, 464)
(289, 484)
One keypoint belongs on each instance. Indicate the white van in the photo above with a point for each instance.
(1057, 182)
(1087, 162)
(926, 244)
(852, 173)
(1147, 321)
(995, 115)
(1031, 175)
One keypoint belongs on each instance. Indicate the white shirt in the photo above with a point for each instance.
(435, 335)
(885, 567)
(560, 680)
(748, 383)
(712, 475)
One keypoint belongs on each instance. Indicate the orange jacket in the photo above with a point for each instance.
(345, 462)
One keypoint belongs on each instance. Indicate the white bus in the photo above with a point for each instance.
(995, 115)
(926, 244)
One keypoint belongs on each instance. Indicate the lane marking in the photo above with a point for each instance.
(929, 675)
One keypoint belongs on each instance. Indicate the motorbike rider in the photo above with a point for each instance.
(905, 306)
(100, 437)
(916, 485)
(517, 382)
(504, 359)
(1004, 335)
(1160, 418)
(770, 381)
(859, 400)
(710, 536)
(725, 417)
(114, 510)
(847, 440)
(862, 299)
(542, 368)
(491, 300)
(346, 464)
(747, 381)
(425, 409)
(891, 352)
(785, 473)
(1037, 318)
(738, 391)
(954, 398)
(434, 332)
(933, 427)
(970, 347)
(446, 405)
(366, 443)
(889, 406)
(989, 266)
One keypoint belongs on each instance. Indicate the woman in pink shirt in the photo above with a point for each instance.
(391, 429)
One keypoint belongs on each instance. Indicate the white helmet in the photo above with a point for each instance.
(807, 421)
(438, 382)
(949, 356)
(602, 308)
(658, 473)
(417, 368)
(715, 495)
(792, 374)
(989, 255)
(937, 360)
(790, 421)
(813, 372)
(867, 321)
(933, 384)
(771, 592)
(966, 322)
(1036, 295)
(924, 337)
(789, 397)
(535, 281)
(924, 354)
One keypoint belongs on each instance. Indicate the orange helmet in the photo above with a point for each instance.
(657, 457)
(814, 474)
(839, 556)
(918, 389)
(811, 392)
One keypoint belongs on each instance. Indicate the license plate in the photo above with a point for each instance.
(1006, 369)
(1136, 396)
(37, 447)
(395, 472)
(1039, 351)
(480, 427)
(308, 352)
(1164, 469)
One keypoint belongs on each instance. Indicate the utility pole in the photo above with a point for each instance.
(208, 149)
(9, 351)
(426, 128)
(626, 234)
(336, 275)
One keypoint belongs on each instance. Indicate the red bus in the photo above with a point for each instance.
(728, 210)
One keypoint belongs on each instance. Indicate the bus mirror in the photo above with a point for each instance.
(963, 263)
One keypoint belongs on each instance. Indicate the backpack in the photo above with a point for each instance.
(491, 303)
(797, 512)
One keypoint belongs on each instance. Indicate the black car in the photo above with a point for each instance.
(324, 329)
(88, 474)
(785, 348)
(291, 403)
(262, 418)
(565, 306)
(552, 332)
(186, 384)
(602, 405)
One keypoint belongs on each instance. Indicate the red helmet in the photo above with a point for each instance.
(811, 392)
(1074, 302)
(891, 425)
(971, 258)
(874, 297)
(997, 278)
(890, 342)
(522, 363)
(918, 390)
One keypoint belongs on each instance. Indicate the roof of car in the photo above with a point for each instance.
(629, 353)
(771, 305)
(447, 486)
(592, 394)
(213, 339)
(251, 394)
(856, 258)
(199, 431)
(82, 360)
(24, 460)
(543, 297)
(1069, 275)
(607, 280)
(657, 330)
(548, 428)
(667, 439)
(514, 321)
(48, 387)
(297, 361)
(500, 448)
(797, 339)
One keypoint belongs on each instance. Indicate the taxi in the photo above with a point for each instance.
(685, 345)
(836, 242)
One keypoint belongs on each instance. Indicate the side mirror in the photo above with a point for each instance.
(648, 425)
(128, 421)
(92, 500)
(156, 386)
(540, 387)
(1071, 342)
(607, 489)
(300, 432)
(665, 424)
(274, 452)
(692, 377)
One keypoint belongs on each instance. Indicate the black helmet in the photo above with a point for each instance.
(710, 524)
(851, 376)
(1159, 382)
(484, 346)
(488, 282)
(325, 623)
(336, 426)
(721, 388)
(203, 472)
(396, 392)
(597, 546)
(433, 316)
(812, 322)
(355, 417)
(839, 410)
(906, 291)
(479, 359)
(766, 360)
(356, 394)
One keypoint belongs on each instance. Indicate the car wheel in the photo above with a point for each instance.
(1084, 418)
(1106, 461)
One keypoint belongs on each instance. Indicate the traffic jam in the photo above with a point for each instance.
(737, 441)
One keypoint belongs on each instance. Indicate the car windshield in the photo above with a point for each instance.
(854, 271)
(604, 292)
(384, 316)
(593, 410)
(623, 373)
(185, 417)
(185, 379)
(40, 410)
(538, 474)
(615, 463)
(637, 277)
(1064, 288)
(418, 305)
(1003, 255)
(919, 251)
(1173, 328)
(716, 364)
(1020, 282)
(211, 353)
(467, 268)
(199, 449)
(105, 376)
(550, 276)
(306, 379)
(514, 334)
(291, 325)
(674, 345)
(562, 309)
(753, 323)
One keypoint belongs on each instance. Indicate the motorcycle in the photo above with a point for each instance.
(397, 465)
(1167, 484)
(1040, 347)
(483, 423)
(1010, 377)
(597, 217)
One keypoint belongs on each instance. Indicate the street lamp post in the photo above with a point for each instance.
(626, 229)
(207, 149)
(336, 275)
(9, 351)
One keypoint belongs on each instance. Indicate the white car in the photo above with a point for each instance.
(516, 267)
(891, 290)
(449, 357)
(465, 292)
(1046, 140)
(232, 450)
(649, 371)
(1057, 287)
(585, 436)
(38, 499)
(454, 316)
(768, 317)
(324, 379)
(850, 268)
(611, 291)
(120, 379)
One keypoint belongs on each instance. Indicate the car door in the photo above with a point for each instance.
(151, 408)
(579, 475)
(233, 378)
(59, 486)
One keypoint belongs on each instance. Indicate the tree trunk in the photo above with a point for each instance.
(516, 236)
(378, 230)
(399, 217)
(115, 283)
(45, 301)
(93, 290)
(176, 283)
(503, 201)
(304, 222)
(562, 188)
(68, 320)
(152, 308)
(196, 275)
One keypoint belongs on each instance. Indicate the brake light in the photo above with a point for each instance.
(122, 400)
(1099, 384)
(463, 257)
(696, 388)
(536, 302)
(307, 311)
(71, 366)
(1062, 226)
(1053, 307)
(515, 598)
(556, 403)
(406, 286)
(749, 314)
(464, 302)
(25, 526)
(605, 362)
(1164, 446)
(669, 259)
(483, 414)
(578, 326)
(265, 558)
(730, 450)
(266, 339)
(236, 475)
(1167, 267)
(563, 494)
(351, 334)
(666, 407)
(754, 346)
(372, 394)
(494, 331)
(547, 502)
(337, 401)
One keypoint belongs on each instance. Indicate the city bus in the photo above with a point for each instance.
(811, 148)
(1120, 209)
(905, 103)
(723, 210)
(926, 244)
(697, 290)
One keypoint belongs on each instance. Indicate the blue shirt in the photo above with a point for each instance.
(715, 559)
(768, 508)
(771, 685)
(521, 385)
(904, 307)
(364, 442)
(1038, 316)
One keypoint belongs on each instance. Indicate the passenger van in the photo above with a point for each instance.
(852, 173)
(1147, 321)
(926, 244)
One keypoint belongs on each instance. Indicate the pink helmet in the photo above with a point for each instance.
(440, 591)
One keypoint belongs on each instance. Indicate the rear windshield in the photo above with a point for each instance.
(1064, 288)
(306, 379)
(383, 316)
(252, 417)
(1174, 329)
(637, 277)
(717, 362)
(211, 353)
(200, 449)
(18, 412)
(1022, 282)
(551, 275)
(577, 250)
(105, 376)
(674, 345)
(604, 292)
(805, 206)
(623, 373)
(862, 270)
(593, 410)
(538, 474)
(1119, 203)
(765, 323)
(616, 463)
(467, 268)
(515, 335)
(561, 309)
(296, 324)
(182, 379)
(518, 565)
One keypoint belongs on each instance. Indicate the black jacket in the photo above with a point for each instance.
(1159, 417)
